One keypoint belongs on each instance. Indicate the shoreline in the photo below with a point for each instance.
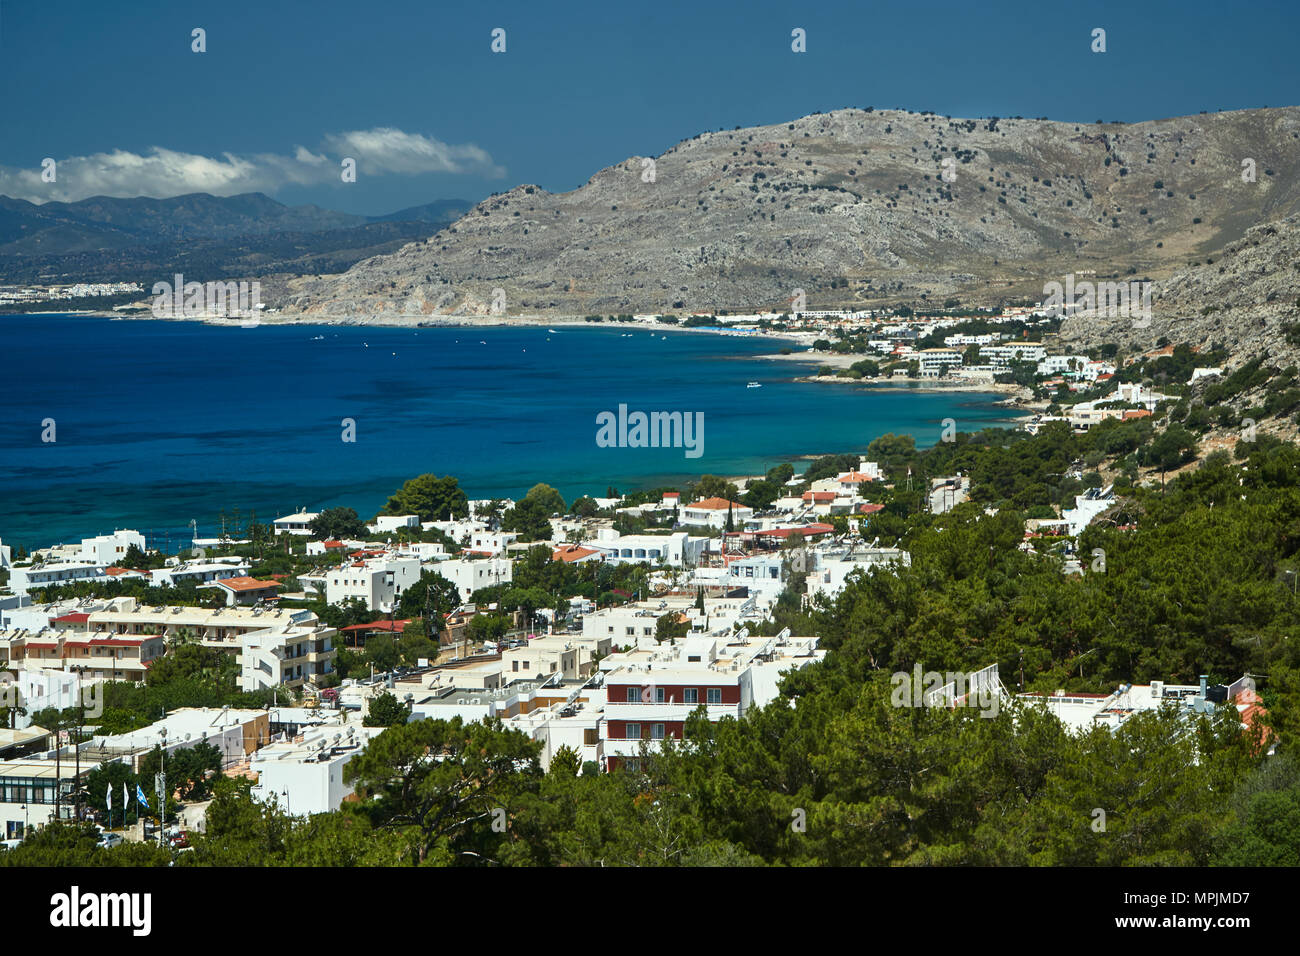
(427, 321)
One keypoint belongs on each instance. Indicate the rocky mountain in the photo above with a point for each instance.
(856, 208)
(1242, 298)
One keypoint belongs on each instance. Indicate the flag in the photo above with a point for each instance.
(126, 801)
(139, 795)
(108, 798)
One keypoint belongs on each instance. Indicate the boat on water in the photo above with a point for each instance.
(753, 385)
(552, 331)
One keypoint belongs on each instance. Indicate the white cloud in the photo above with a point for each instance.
(393, 151)
(161, 173)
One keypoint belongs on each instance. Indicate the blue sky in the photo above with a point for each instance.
(113, 92)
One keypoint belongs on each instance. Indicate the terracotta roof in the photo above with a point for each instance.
(715, 504)
(125, 640)
(75, 618)
(819, 496)
(573, 552)
(869, 508)
(394, 627)
(247, 584)
(806, 531)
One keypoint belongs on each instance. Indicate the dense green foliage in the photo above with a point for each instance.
(1193, 578)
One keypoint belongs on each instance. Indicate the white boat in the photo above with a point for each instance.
(552, 331)
(753, 385)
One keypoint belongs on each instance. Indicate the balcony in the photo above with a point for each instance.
(663, 710)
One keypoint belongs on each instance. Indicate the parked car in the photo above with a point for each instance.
(11, 844)
(109, 840)
(179, 840)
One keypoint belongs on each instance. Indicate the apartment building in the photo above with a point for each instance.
(94, 656)
(936, 361)
(271, 647)
(26, 578)
(470, 575)
(199, 572)
(378, 582)
(650, 693)
(1003, 355)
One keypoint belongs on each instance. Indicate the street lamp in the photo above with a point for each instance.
(285, 793)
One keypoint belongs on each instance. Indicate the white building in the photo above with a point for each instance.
(1063, 364)
(677, 550)
(289, 656)
(304, 775)
(1003, 355)
(469, 575)
(833, 566)
(377, 582)
(110, 548)
(25, 578)
(199, 572)
(299, 524)
(712, 513)
(385, 524)
(935, 361)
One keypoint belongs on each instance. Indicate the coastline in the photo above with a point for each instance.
(430, 321)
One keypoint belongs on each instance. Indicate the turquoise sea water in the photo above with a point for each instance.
(158, 423)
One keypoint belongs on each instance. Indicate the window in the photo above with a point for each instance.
(633, 695)
(691, 695)
(514, 665)
(631, 632)
(656, 731)
(715, 695)
(590, 736)
(659, 695)
(633, 732)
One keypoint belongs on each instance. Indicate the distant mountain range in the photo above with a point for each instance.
(855, 208)
(101, 238)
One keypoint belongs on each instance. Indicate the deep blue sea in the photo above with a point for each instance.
(161, 423)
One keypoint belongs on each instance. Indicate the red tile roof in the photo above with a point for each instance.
(394, 627)
(247, 584)
(572, 552)
(715, 504)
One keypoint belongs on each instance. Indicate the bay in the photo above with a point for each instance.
(160, 423)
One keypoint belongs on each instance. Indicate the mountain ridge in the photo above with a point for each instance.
(850, 206)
